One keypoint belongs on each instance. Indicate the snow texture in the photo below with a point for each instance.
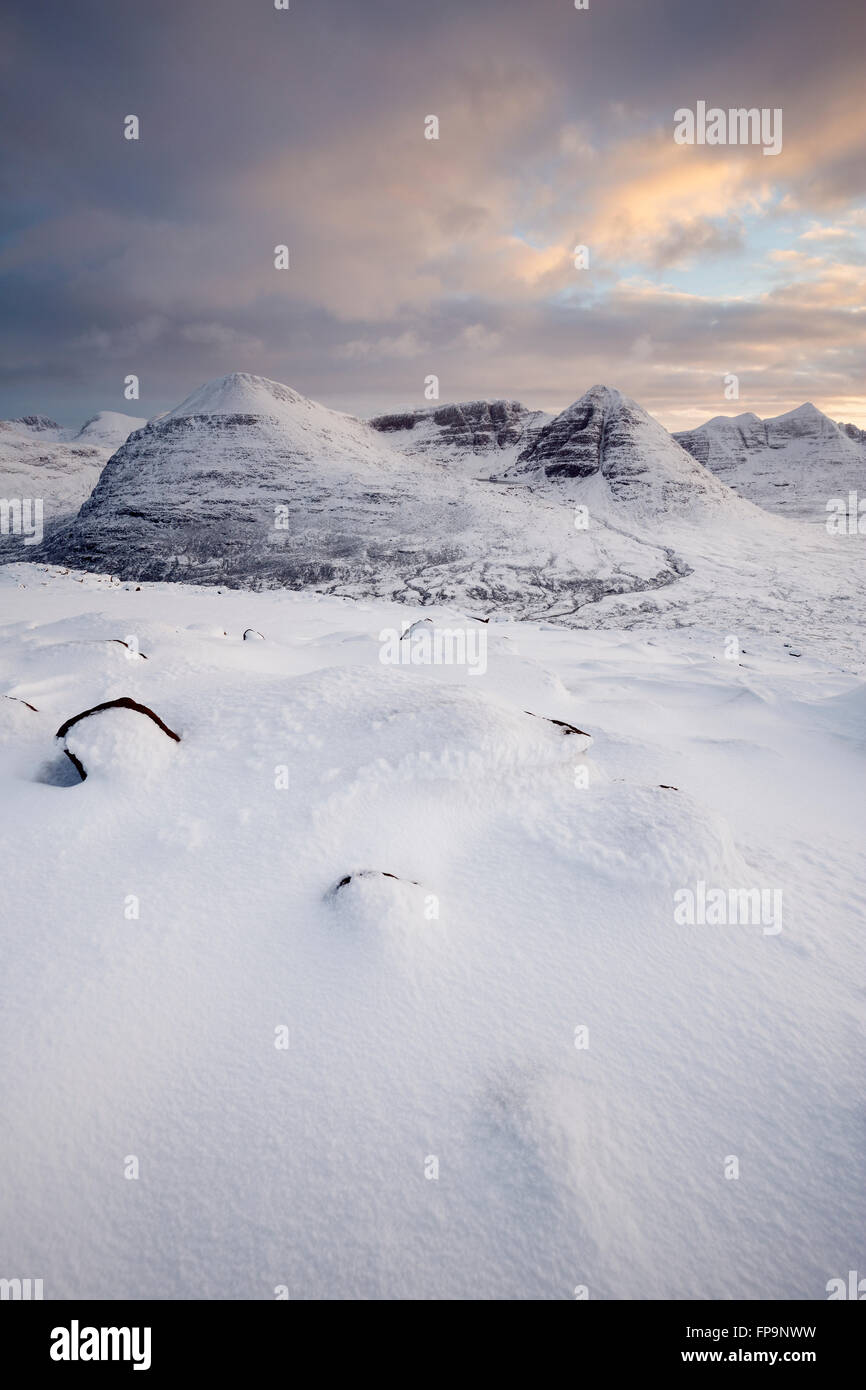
(431, 1130)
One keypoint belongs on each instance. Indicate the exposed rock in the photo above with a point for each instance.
(39, 423)
(476, 427)
(19, 701)
(422, 625)
(371, 873)
(39, 459)
(124, 702)
(247, 483)
(560, 723)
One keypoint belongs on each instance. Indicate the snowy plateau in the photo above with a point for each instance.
(349, 979)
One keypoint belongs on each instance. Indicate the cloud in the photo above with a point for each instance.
(307, 128)
(408, 344)
(818, 233)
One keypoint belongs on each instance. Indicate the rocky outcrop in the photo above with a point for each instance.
(123, 703)
(371, 873)
(476, 427)
(38, 423)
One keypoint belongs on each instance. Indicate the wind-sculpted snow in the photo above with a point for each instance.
(791, 464)
(505, 1071)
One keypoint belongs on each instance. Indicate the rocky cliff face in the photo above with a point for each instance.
(791, 463)
(480, 426)
(473, 436)
(238, 479)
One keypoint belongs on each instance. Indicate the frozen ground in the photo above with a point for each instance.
(413, 1037)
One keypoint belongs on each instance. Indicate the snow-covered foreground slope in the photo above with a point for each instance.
(431, 1130)
(792, 464)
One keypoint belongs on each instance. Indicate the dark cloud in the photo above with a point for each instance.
(409, 257)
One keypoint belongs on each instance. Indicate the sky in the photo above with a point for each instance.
(412, 257)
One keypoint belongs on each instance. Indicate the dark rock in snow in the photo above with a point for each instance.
(124, 702)
(19, 701)
(371, 873)
(560, 723)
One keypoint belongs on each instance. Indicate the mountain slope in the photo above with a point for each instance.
(791, 464)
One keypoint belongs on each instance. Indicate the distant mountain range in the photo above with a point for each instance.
(38, 458)
(484, 504)
(248, 483)
(789, 464)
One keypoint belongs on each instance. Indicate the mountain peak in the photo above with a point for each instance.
(748, 417)
(607, 437)
(109, 428)
(239, 393)
(607, 396)
(806, 411)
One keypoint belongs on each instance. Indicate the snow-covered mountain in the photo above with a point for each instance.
(247, 482)
(598, 514)
(41, 459)
(791, 464)
(36, 463)
(109, 429)
(474, 436)
(622, 460)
